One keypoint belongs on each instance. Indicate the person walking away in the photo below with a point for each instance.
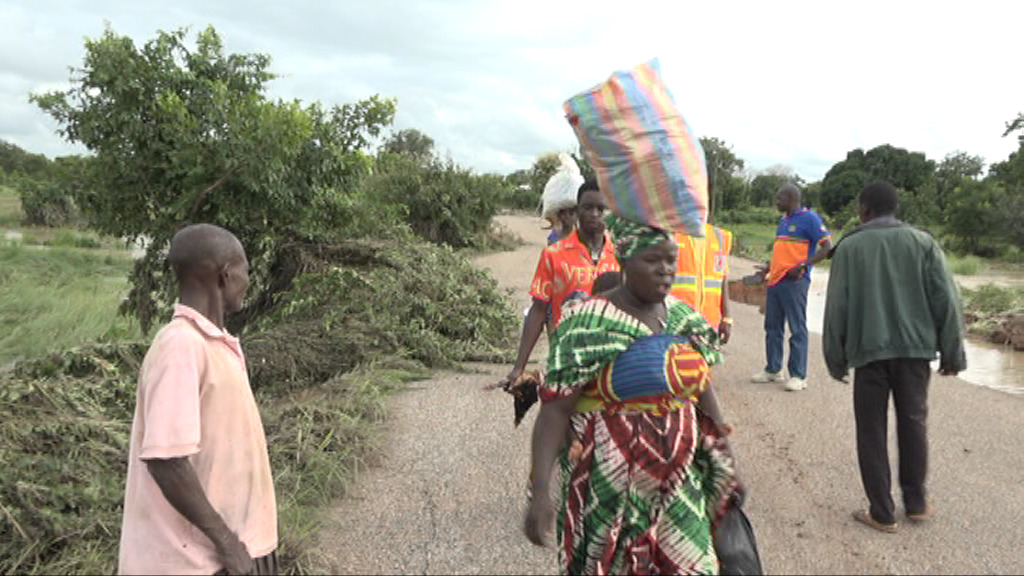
(199, 496)
(891, 305)
(801, 241)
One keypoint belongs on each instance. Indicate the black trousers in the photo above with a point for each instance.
(907, 380)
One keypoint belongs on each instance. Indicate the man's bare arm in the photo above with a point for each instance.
(178, 481)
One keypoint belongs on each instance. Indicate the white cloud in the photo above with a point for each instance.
(792, 83)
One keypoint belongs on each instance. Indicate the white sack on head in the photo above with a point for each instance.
(561, 189)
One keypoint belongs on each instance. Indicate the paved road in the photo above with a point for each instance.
(449, 496)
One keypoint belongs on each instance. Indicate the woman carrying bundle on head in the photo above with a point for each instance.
(647, 469)
(627, 374)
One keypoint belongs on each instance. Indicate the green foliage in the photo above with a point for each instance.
(750, 215)
(45, 202)
(989, 300)
(516, 192)
(954, 169)
(765, 186)
(727, 188)
(442, 202)
(185, 134)
(410, 142)
(841, 187)
(57, 298)
(965, 265)
(64, 425)
(752, 239)
(356, 301)
(920, 206)
(1015, 125)
(10, 206)
(15, 160)
(905, 170)
(972, 212)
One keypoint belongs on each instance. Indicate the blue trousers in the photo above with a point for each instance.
(786, 304)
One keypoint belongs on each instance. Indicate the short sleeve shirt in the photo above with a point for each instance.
(797, 238)
(566, 272)
(194, 401)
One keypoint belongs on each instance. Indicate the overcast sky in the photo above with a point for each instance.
(784, 83)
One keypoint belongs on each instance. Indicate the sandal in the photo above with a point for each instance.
(922, 516)
(864, 517)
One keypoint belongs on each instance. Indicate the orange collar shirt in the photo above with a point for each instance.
(797, 238)
(567, 271)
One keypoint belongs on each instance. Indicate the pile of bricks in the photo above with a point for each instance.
(746, 293)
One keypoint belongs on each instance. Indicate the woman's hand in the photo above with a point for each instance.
(506, 382)
(540, 518)
(725, 331)
(740, 491)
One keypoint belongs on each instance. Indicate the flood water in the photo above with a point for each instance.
(990, 365)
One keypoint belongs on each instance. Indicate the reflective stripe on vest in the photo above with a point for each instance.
(717, 251)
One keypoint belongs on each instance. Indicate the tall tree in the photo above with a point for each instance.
(766, 184)
(907, 171)
(974, 211)
(410, 142)
(184, 134)
(725, 172)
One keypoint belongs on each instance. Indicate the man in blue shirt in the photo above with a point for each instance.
(801, 240)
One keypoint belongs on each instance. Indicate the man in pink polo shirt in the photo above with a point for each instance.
(199, 497)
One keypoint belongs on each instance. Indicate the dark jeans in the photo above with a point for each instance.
(786, 303)
(907, 379)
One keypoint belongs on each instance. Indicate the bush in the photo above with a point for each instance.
(442, 202)
(964, 265)
(358, 301)
(518, 197)
(990, 300)
(64, 426)
(46, 203)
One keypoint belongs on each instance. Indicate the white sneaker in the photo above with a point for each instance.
(795, 384)
(763, 377)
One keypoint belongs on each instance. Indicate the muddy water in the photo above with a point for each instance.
(989, 365)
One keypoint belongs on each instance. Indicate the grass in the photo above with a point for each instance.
(752, 240)
(319, 441)
(10, 208)
(964, 265)
(58, 298)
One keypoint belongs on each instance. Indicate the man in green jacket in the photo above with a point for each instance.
(891, 306)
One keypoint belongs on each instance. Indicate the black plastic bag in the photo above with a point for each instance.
(736, 545)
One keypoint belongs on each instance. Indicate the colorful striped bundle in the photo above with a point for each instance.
(649, 163)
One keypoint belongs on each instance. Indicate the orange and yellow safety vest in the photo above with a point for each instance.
(701, 268)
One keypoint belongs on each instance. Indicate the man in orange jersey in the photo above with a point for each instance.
(566, 271)
(801, 241)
